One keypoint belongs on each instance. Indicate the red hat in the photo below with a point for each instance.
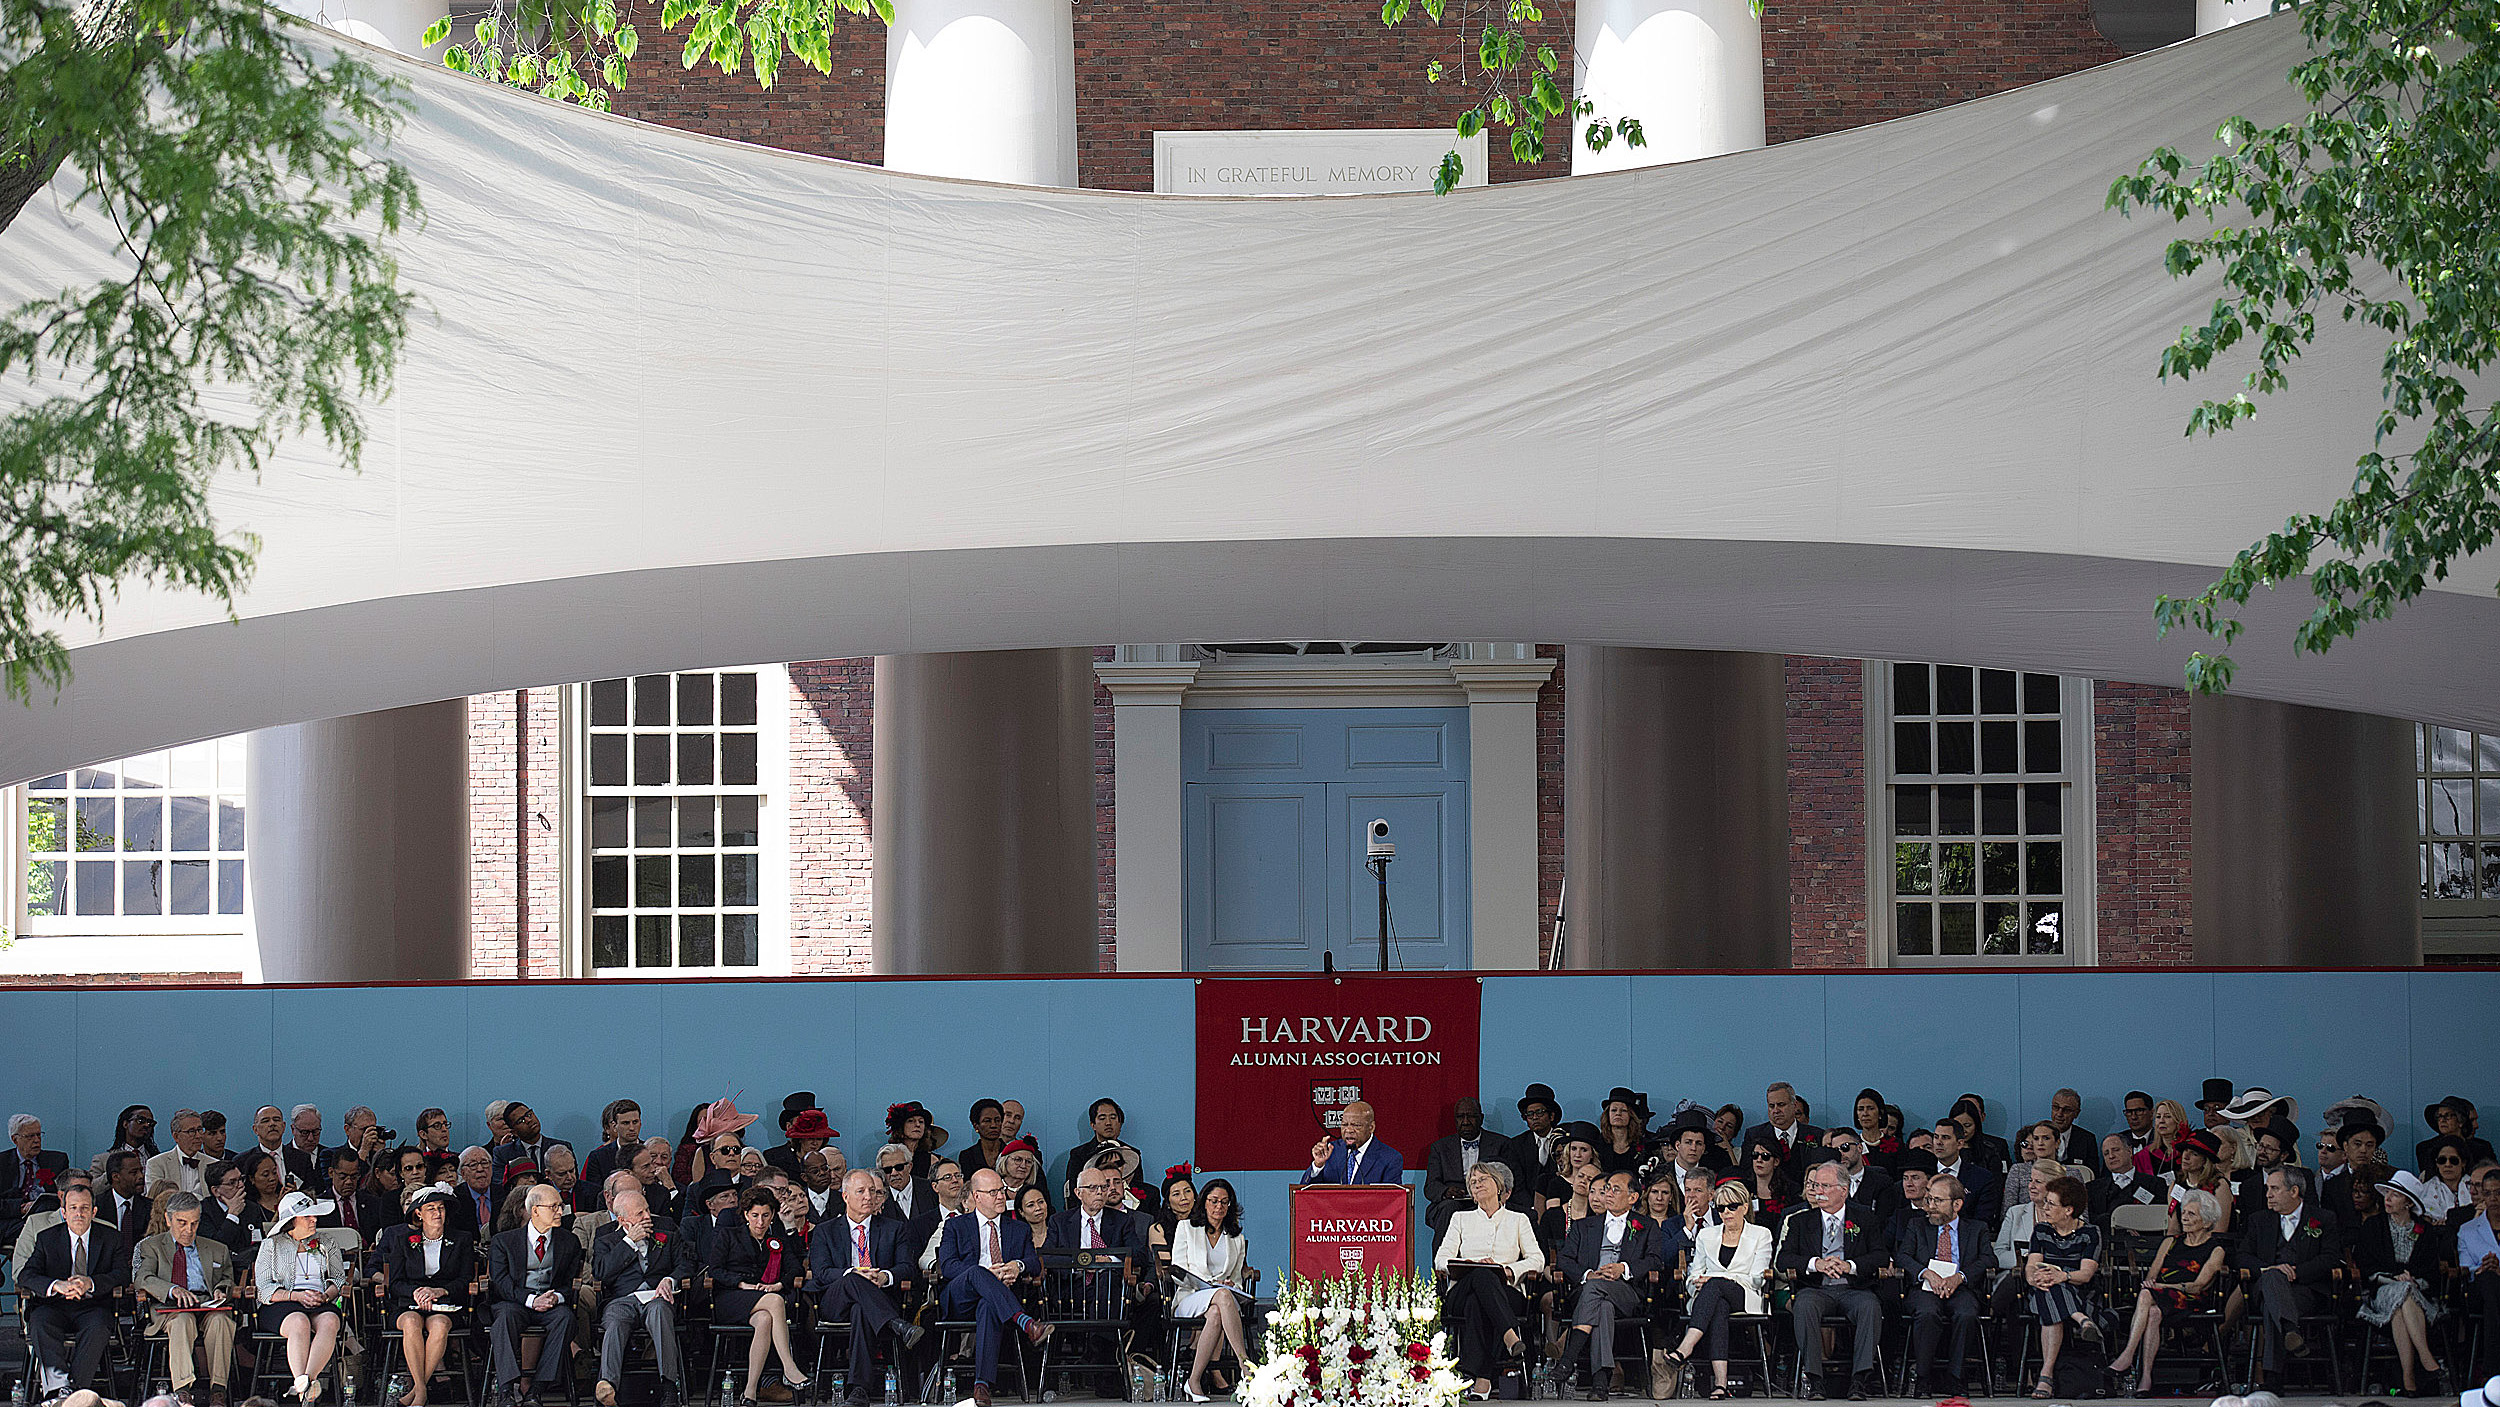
(1024, 1144)
(810, 1123)
(1177, 1170)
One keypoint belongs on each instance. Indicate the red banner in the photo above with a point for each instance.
(1280, 1058)
(1349, 1230)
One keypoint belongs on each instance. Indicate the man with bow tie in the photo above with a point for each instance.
(180, 1166)
(640, 1262)
(857, 1264)
(1609, 1255)
(1448, 1161)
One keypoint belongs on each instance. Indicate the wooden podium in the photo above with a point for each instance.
(1339, 1230)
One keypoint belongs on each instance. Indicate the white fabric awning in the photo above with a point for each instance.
(674, 401)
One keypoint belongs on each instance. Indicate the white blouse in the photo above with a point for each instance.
(1504, 1238)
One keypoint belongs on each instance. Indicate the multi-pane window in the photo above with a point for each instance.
(675, 803)
(2459, 813)
(152, 842)
(1985, 851)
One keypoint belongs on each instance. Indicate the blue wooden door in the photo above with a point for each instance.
(1276, 805)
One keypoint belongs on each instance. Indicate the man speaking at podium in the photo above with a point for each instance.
(1357, 1157)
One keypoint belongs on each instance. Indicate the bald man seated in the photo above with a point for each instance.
(1356, 1156)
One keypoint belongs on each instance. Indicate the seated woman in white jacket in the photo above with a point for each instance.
(1730, 1266)
(1486, 1252)
(1209, 1247)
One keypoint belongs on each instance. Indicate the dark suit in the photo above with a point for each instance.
(472, 1213)
(603, 1162)
(1527, 1168)
(507, 1278)
(973, 1292)
(21, 1184)
(1445, 1180)
(923, 1213)
(403, 1255)
(1983, 1192)
(1879, 1190)
(1380, 1164)
(506, 1154)
(2315, 1248)
(2080, 1145)
(374, 1214)
(2140, 1191)
(1864, 1244)
(1599, 1303)
(1807, 1136)
(310, 1169)
(123, 1213)
(1930, 1314)
(857, 1300)
(1996, 1154)
(623, 1271)
(52, 1319)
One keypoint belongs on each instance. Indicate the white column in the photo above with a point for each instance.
(1146, 684)
(1689, 70)
(393, 24)
(360, 846)
(982, 89)
(2222, 14)
(1501, 683)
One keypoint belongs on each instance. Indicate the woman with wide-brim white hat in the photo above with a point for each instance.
(300, 1280)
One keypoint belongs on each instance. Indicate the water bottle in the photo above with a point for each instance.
(18, 1394)
(728, 1387)
(841, 1388)
(893, 1387)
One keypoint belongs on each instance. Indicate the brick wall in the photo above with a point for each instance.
(829, 814)
(516, 852)
(2140, 770)
(1826, 813)
(1182, 64)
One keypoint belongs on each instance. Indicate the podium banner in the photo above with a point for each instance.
(1339, 1230)
(1280, 1058)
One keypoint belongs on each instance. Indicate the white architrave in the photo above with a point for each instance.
(1502, 683)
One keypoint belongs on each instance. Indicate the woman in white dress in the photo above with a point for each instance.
(1727, 1277)
(1209, 1246)
(1488, 1249)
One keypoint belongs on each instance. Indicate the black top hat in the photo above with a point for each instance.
(1540, 1094)
(792, 1106)
(1698, 1119)
(1583, 1132)
(2216, 1092)
(1638, 1101)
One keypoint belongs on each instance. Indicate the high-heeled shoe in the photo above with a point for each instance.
(1194, 1394)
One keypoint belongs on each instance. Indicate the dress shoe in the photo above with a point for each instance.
(605, 1393)
(2293, 1342)
(670, 1396)
(980, 1395)
(1857, 1388)
(1597, 1392)
(912, 1335)
(1037, 1331)
(1815, 1392)
(217, 1397)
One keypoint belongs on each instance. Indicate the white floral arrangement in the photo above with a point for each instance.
(1370, 1340)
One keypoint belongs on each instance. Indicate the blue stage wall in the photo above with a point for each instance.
(75, 1057)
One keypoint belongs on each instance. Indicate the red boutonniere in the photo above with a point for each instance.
(413, 1238)
(659, 1238)
(1634, 1223)
(2311, 1227)
(1849, 1228)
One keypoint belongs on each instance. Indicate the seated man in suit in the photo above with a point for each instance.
(1608, 1255)
(857, 1263)
(1446, 1163)
(1786, 1129)
(1981, 1188)
(68, 1283)
(529, 1143)
(1097, 1221)
(1916, 1169)
(982, 1258)
(1865, 1183)
(530, 1271)
(473, 1196)
(641, 1263)
(28, 1171)
(1833, 1248)
(179, 1267)
(2075, 1143)
(1943, 1235)
(2293, 1249)
(2120, 1185)
(180, 1167)
(1355, 1157)
(908, 1199)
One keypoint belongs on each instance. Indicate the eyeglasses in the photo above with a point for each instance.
(2460, 1162)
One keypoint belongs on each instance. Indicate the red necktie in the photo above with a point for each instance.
(1093, 1232)
(182, 1268)
(542, 1245)
(860, 1234)
(997, 1257)
(1944, 1244)
(347, 1209)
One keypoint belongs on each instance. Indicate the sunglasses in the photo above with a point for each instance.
(1766, 1156)
(2460, 1162)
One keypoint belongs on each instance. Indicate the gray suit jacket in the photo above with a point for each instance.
(156, 1266)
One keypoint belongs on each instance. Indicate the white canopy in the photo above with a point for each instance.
(675, 402)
